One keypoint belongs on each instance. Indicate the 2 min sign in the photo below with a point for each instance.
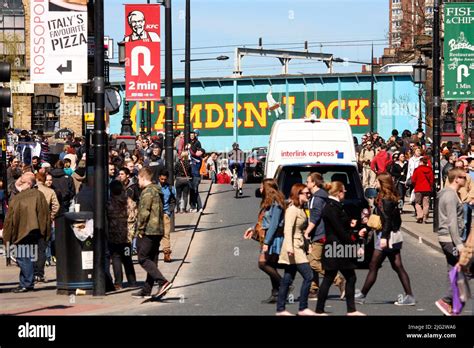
(459, 51)
(142, 47)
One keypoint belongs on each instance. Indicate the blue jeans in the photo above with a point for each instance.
(25, 261)
(467, 221)
(240, 168)
(290, 271)
(195, 199)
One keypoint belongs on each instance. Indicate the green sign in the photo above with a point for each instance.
(459, 51)
(214, 114)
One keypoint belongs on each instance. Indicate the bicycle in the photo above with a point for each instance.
(236, 181)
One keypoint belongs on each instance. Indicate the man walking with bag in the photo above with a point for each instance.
(451, 224)
(150, 231)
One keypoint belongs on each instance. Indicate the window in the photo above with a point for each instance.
(12, 32)
(45, 113)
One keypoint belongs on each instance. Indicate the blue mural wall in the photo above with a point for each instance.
(264, 99)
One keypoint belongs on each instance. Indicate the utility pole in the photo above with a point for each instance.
(169, 92)
(372, 90)
(436, 108)
(187, 75)
(99, 141)
(148, 105)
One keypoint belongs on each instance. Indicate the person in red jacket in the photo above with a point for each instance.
(223, 177)
(380, 162)
(422, 179)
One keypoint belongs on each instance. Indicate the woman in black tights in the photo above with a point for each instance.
(388, 242)
(340, 250)
(270, 220)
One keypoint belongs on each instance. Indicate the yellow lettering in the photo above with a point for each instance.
(334, 104)
(196, 116)
(316, 104)
(291, 109)
(357, 117)
(160, 120)
(230, 115)
(180, 110)
(210, 123)
(261, 116)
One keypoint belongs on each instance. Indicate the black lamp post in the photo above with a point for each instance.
(419, 78)
(127, 128)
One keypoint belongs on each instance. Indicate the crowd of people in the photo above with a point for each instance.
(398, 169)
(140, 207)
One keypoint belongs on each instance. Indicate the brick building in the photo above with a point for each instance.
(38, 106)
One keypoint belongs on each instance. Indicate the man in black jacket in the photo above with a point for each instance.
(64, 184)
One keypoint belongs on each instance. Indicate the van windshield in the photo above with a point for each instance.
(290, 175)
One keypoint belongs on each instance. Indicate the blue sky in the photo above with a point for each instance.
(345, 28)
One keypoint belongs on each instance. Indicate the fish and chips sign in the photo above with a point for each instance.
(58, 41)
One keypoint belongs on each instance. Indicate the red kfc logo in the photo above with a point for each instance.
(142, 45)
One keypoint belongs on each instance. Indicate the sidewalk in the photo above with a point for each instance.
(423, 232)
(45, 301)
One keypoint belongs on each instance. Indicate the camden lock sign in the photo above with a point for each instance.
(459, 51)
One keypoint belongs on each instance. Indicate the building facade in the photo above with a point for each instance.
(409, 19)
(34, 106)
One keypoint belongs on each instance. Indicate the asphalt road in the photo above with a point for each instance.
(220, 275)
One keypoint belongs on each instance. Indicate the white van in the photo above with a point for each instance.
(309, 141)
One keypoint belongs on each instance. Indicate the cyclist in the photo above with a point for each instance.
(236, 160)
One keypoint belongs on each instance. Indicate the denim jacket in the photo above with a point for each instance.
(272, 220)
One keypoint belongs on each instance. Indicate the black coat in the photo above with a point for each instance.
(338, 236)
(399, 173)
(65, 185)
(390, 216)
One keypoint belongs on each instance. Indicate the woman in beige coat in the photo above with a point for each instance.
(293, 254)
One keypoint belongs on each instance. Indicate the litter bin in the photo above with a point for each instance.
(74, 253)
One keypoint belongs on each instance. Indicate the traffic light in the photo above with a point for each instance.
(5, 93)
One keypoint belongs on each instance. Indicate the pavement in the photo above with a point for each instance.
(44, 300)
(422, 232)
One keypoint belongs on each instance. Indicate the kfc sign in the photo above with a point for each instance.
(142, 47)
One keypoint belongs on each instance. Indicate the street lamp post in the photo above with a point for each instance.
(419, 78)
(127, 128)
(100, 153)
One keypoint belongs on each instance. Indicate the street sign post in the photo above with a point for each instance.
(58, 43)
(459, 51)
(142, 46)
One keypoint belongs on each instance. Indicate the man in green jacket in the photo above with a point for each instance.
(28, 219)
(150, 231)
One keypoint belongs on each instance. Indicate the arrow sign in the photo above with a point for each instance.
(68, 68)
(146, 67)
(461, 69)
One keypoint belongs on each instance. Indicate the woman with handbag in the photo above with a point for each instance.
(388, 242)
(293, 252)
(182, 169)
(268, 232)
(399, 173)
(339, 236)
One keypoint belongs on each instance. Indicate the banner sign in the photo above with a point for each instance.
(459, 51)
(213, 114)
(142, 49)
(58, 41)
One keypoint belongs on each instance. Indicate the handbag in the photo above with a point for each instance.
(186, 173)
(258, 234)
(395, 238)
(375, 222)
